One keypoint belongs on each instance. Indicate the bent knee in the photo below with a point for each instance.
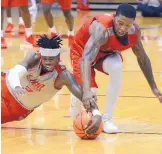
(46, 8)
(113, 64)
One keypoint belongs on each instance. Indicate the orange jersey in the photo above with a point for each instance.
(14, 3)
(112, 43)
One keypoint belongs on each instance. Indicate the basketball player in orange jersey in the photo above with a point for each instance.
(66, 8)
(35, 80)
(98, 44)
(23, 5)
(10, 25)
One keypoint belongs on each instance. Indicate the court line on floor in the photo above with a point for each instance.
(158, 72)
(119, 96)
(69, 130)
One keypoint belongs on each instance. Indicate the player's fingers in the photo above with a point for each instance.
(91, 130)
(22, 92)
(89, 123)
(92, 101)
(95, 97)
(93, 104)
(87, 106)
(18, 93)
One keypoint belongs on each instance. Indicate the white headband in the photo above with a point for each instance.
(49, 52)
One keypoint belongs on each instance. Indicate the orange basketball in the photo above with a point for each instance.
(81, 122)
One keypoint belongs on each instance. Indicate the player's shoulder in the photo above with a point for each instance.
(105, 19)
(97, 27)
(105, 16)
(98, 32)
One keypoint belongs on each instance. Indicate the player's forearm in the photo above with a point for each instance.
(72, 85)
(76, 91)
(85, 68)
(146, 68)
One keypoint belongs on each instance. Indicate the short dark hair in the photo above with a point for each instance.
(126, 10)
(49, 43)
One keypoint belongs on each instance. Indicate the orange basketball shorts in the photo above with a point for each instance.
(11, 110)
(14, 3)
(76, 55)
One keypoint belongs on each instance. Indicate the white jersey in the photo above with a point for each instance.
(39, 88)
(154, 3)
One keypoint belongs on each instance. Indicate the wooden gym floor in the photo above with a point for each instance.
(138, 113)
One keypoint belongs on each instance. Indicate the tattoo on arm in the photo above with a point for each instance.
(97, 39)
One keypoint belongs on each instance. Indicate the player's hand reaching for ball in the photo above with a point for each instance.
(158, 94)
(89, 100)
(19, 91)
(93, 124)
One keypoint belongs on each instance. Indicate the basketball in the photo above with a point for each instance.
(80, 124)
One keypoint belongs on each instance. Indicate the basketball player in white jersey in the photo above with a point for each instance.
(35, 80)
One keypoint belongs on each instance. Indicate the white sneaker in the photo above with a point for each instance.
(109, 127)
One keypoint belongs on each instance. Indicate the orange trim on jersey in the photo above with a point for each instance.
(58, 69)
(55, 83)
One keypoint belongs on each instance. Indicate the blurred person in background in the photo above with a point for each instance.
(69, 19)
(150, 8)
(10, 24)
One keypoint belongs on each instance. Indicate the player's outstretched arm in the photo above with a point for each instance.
(66, 78)
(20, 70)
(98, 36)
(145, 65)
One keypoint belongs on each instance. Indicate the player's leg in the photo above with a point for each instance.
(21, 24)
(3, 42)
(47, 7)
(69, 19)
(28, 27)
(70, 23)
(10, 24)
(112, 65)
(26, 17)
